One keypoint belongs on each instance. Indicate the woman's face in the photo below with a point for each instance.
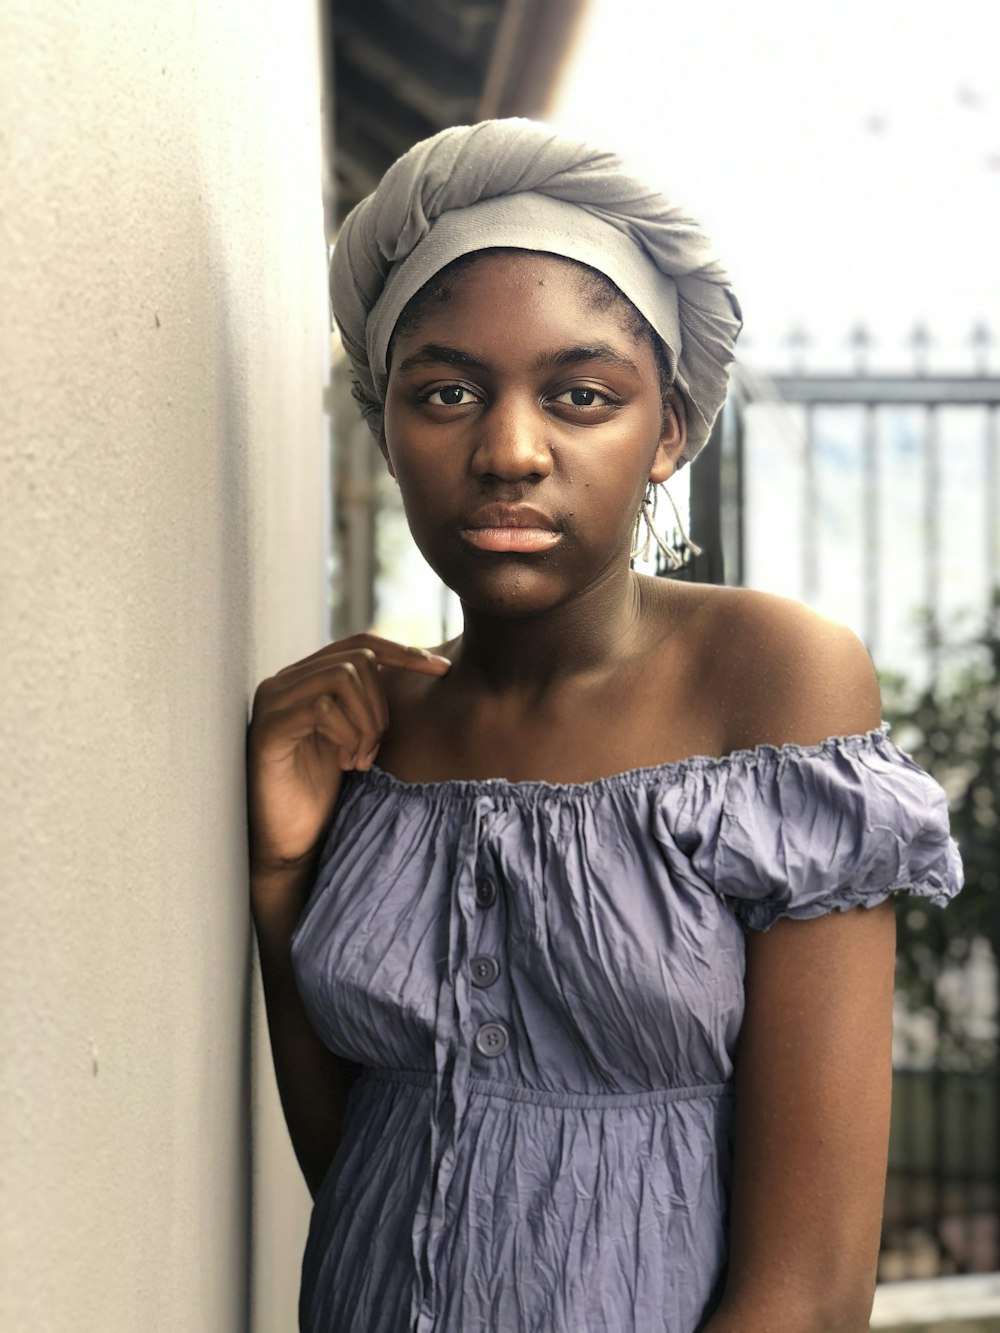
(520, 393)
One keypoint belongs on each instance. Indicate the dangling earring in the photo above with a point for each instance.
(647, 512)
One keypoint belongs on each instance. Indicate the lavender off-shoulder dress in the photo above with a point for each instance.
(545, 985)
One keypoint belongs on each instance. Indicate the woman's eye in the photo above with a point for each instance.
(452, 395)
(583, 397)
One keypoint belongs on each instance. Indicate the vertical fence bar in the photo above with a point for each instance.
(810, 553)
(978, 1200)
(932, 538)
(992, 471)
(704, 516)
(741, 490)
(911, 1173)
(731, 509)
(355, 510)
(932, 573)
(994, 716)
(938, 1119)
(968, 1172)
(872, 560)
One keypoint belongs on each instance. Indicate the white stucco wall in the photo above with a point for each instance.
(162, 547)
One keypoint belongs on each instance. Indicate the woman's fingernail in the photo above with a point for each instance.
(428, 656)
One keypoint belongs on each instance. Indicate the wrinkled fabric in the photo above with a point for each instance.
(579, 1179)
(520, 183)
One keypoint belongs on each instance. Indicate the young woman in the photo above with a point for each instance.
(579, 998)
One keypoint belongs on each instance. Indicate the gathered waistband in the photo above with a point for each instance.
(513, 1092)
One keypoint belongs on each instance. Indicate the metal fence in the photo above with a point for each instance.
(873, 497)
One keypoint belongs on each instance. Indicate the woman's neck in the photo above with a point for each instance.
(531, 655)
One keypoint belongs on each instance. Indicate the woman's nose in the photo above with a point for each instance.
(512, 442)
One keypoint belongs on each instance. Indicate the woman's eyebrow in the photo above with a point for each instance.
(439, 354)
(574, 356)
(435, 354)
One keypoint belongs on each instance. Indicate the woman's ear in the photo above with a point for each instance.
(384, 446)
(673, 438)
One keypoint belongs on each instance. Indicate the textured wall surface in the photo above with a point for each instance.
(163, 544)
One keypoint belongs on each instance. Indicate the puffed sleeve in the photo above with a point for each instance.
(806, 830)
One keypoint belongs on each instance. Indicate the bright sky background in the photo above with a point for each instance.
(844, 158)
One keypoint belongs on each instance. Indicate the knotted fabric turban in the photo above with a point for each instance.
(518, 183)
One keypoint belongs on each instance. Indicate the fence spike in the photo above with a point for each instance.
(797, 340)
(981, 339)
(861, 340)
(920, 341)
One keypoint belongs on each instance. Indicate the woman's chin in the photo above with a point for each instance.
(510, 593)
(516, 585)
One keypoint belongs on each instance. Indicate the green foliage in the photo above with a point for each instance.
(950, 724)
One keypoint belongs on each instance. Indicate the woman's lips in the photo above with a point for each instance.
(511, 539)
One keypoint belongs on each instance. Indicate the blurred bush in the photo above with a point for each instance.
(950, 724)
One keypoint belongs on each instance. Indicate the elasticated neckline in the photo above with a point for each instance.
(627, 780)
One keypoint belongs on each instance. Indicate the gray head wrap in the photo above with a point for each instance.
(518, 183)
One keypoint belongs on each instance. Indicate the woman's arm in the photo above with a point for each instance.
(310, 723)
(813, 1088)
(313, 1082)
(814, 1061)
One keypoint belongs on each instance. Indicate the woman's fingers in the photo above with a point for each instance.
(324, 715)
(332, 700)
(347, 673)
(340, 696)
(350, 680)
(385, 652)
(366, 665)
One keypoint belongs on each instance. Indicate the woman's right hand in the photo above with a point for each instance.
(309, 723)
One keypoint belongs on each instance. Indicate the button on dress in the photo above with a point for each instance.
(545, 985)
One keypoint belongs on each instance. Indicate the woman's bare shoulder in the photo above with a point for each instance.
(787, 673)
(766, 669)
(412, 699)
